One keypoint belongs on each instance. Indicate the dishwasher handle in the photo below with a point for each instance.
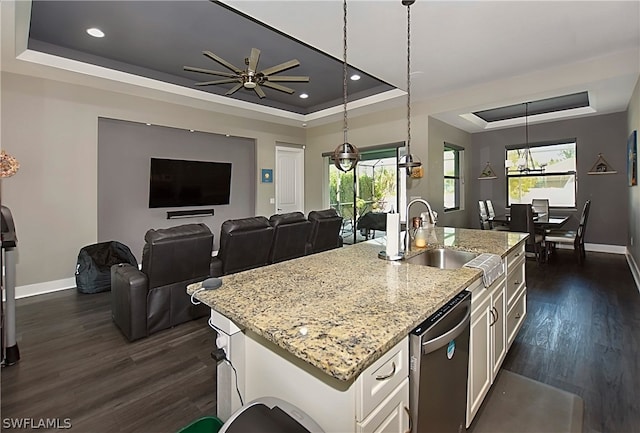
(442, 340)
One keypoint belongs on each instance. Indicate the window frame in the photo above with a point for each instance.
(573, 173)
(457, 177)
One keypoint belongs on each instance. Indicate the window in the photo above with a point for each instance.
(452, 181)
(546, 171)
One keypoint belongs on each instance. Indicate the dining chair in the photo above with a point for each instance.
(540, 205)
(492, 214)
(575, 237)
(522, 221)
(484, 215)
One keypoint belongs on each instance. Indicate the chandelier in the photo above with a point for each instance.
(525, 163)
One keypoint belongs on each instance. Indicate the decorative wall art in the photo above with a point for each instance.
(632, 158)
(267, 175)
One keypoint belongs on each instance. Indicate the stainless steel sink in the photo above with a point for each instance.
(442, 258)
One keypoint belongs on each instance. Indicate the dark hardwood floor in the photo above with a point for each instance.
(581, 335)
(75, 364)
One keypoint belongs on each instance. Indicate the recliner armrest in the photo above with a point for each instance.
(129, 288)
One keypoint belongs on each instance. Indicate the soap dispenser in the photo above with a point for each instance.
(421, 237)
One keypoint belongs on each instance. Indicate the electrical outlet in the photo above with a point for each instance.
(631, 240)
(272, 201)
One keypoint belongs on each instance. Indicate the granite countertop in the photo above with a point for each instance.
(342, 309)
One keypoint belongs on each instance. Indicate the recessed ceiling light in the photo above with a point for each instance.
(148, 124)
(191, 130)
(95, 32)
(355, 77)
(304, 95)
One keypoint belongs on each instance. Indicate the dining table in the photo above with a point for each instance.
(543, 221)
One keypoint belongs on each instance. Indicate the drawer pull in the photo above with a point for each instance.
(406, 409)
(516, 283)
(493, 316)
(393, 371)
(518, 315)
(517, 254)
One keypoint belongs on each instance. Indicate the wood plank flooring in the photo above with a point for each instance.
(581, 335)
(75, 364)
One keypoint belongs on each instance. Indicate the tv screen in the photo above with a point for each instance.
(178, 183)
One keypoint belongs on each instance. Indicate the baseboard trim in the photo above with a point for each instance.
(635, 271)
(46, 287)
(597, 248)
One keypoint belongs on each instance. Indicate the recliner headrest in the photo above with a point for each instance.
(154, 236)
(323, 214)
(243, 224)
(286, 218)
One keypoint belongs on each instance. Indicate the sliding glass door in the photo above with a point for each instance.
(373, 187)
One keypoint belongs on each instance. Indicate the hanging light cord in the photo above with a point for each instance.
(409, 79)
(344, 70)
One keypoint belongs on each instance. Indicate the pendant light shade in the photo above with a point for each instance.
(346, 155)
(409, 161)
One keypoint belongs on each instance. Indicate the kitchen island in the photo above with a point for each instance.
(311, 330)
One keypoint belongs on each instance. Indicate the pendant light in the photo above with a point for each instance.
(346, 155)
(409, 161)
(525, 163)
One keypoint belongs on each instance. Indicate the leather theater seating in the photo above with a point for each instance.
(291, 231)
(155, 298)
(244, 244)
(325, 231)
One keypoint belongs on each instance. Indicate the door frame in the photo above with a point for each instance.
(299, 151)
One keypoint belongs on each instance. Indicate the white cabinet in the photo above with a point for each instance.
(376, 401)
(390, 416)
(497, 313)
(487, 345)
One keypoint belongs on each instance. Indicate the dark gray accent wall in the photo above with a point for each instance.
(125, 150)
(606, 134)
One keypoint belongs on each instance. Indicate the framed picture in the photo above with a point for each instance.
(267, 175)
(632, 158)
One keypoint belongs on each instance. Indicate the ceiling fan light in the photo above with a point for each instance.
(249, 85)
(346, 157)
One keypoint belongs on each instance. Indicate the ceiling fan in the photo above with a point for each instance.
(250, 78)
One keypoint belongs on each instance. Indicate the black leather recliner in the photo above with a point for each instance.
(155, 298)
(325, 231)
(244, 244)
(291, 231)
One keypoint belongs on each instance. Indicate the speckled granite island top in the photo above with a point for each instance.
(342, 309)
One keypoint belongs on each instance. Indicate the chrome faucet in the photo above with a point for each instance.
(432, 220)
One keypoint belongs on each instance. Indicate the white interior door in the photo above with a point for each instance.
(289, 179)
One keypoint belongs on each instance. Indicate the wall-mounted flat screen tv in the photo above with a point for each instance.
(178, 183)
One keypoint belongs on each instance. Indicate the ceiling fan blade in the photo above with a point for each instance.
(281, 67)
(278, 87)
(292, 78)
(225, 81)
(253, 60)
(222, 61)
(208, 71)
(259, 91)
(234, 89)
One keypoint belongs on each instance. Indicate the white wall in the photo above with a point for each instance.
(52, 129)
(633, 123)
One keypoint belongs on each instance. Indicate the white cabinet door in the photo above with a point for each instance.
(479, 379)
(498, 328)
(391, 416)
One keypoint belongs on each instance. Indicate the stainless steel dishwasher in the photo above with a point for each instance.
(439, 363)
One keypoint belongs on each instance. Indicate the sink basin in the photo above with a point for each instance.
(442, 258)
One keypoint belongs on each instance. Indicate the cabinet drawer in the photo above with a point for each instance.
(516, 315)
(378, 381)
(392, 415)
(514, 255)
(515, 281)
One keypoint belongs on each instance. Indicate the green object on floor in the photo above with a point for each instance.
(207, 424)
